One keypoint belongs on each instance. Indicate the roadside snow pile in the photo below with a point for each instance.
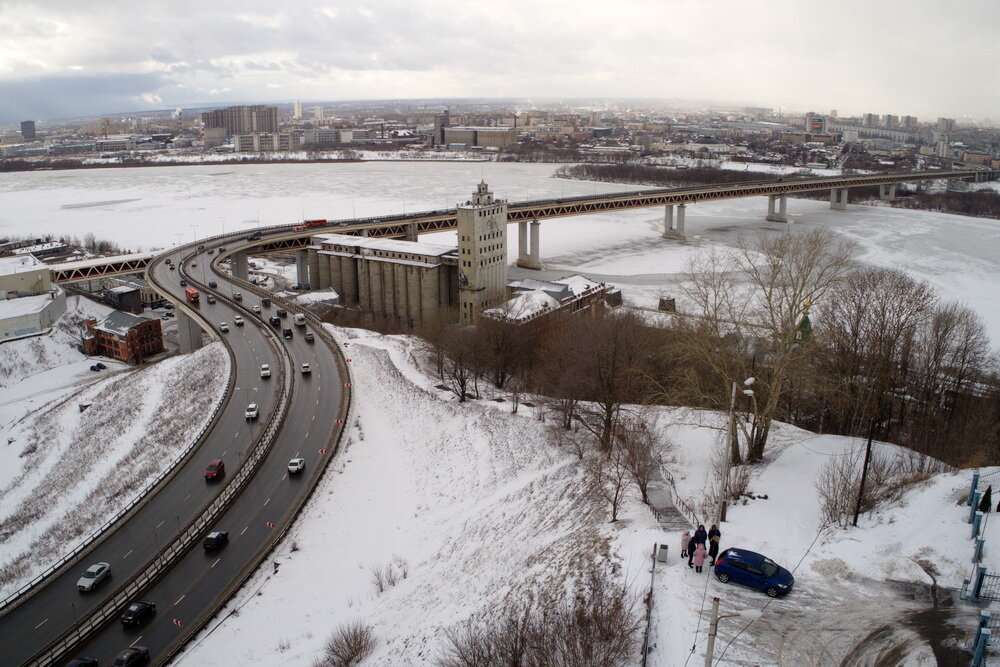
(325, 296)
(463, 507)
(28, 356)
(67, 468)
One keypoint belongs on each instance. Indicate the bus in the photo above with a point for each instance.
(308, 224)
(192, 294)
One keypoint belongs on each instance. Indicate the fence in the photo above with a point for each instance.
(685, 510)
(136, 502)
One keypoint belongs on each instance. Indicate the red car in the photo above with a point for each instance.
(215, 469)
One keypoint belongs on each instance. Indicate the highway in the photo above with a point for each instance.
(199, 582)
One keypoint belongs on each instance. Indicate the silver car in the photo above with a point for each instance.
(94, 575)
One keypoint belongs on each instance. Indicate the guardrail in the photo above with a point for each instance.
(686, 510)
(22, 593)
(179, 546)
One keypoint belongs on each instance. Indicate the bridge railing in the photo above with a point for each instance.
(75, 554)
(167, 556)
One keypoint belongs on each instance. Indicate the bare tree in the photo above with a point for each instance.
(641, 451)
(608, 476)
(349, 645)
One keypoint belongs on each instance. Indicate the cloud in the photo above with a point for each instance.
(67, 95)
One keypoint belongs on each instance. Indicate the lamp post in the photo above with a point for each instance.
(713, 627)
(731, 436)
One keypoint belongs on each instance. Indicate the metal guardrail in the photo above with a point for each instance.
(139, 499)
(188, 536)
(686, 510)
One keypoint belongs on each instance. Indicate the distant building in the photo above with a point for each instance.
(327, 137)
(909, 122)
(482, 254)
(870, 119)
(534, 301)
(243, 119)
(318, 112)
(297, 111)
(27, 129)
(264, 143)
(123, 336)
(889, 120)
(115, 144)
(946, 124)
(29, 302)
(480, 137)
(214, 136)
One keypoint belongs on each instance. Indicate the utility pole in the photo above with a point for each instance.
(730, 433)
(713, 629)
(864, 471)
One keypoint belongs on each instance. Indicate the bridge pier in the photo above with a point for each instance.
(887, 191)
(782, 214)
(411, 232)
(528, 248)
(673, 228)
(239, 265)
(188, 332)
(302, 267)
(838, 199)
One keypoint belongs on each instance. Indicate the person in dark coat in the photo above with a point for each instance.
(700, 536)
(690, 551)
(714, 535)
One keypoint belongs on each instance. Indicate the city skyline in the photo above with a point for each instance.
(62, 60)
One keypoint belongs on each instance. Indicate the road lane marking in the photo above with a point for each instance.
(284, 476)
(41, 624)
(186, 498)
(179, 599)
(128, 554)
(161, 523)
(244, 529)
(313, 418)
(296, 455)
(266, 502)
(216, 562)
(225, 452)
(135, 642)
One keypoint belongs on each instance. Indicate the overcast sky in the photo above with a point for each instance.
(62, 58)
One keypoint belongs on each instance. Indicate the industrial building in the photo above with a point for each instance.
(29, 302)
(123, 336)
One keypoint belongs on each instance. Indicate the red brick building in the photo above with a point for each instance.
(123, 336)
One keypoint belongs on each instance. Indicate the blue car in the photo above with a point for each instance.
(754, 570)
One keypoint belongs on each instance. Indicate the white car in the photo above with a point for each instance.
(94, 575)
(265, 371)
(306, 370)
(252, 412)
(296, 465)
(256, 309)
(238, 321)
(223, 326)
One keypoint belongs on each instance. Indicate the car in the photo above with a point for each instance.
(184, 283)
(168, 306)
(287, 333)
(213, 284)
(310, 337)
(265, 302)
(211, 299)
(132, 657)
(237, 296)
(295, 466)
(300, 320)
(255, 308)
(275, 320)
(201, 247)
(84, 662)
(211, 251)
(215, 469)
(238, 321)
(281, 312)
(222, 248)
(265, 371)
(172, 267)
(94, 575)
(138, 613)
(306, 370)
(252, 412)
(100, 365)
(95, 368)
(223, 326)
(755, 570)
(168, 261)
(194, 264)
(215, 540)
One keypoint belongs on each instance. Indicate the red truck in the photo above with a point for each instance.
(309, 224)
(192, 295)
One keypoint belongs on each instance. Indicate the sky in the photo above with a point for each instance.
(62, 58)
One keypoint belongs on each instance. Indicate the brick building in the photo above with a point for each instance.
(123, 336)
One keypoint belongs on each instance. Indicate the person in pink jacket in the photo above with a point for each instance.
(699, 557)
(685, 538)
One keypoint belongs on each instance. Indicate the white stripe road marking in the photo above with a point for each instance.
(136, 641)
(215, 563)
(225, 452)
(161, 523)
(284, 476)
(128, 554)
(244, 529)
(266, 502)
(41, 624)
(186, 498)
(179, 599)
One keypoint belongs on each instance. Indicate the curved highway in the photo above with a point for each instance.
(193, 589)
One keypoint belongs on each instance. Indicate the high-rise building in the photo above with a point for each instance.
(441, 121)
(318, 112)
(946, 124)
(909, 122)
(833, 113)
(27, 129)
(243, 119)
(889, 120)
(297, 112)
(870, 119)
(482, 254)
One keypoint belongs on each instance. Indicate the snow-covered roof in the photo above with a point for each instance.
(119, 323)
(563, 288)
(523, 306)
(39, 248)
(386, 245)
(25, 305)
(11, 265)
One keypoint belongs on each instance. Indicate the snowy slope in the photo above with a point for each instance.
(63, 468)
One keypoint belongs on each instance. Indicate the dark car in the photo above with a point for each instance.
(287, 333)
(94, 368)
(184, 283)
(265, 302)
(755, 570)
(212, 284)
(138, 613)
(215, 469)
(275, 320)
(100, 365)
(281, 312)
(84, 662)
(216, 540)
(167, 260)
(133, 655)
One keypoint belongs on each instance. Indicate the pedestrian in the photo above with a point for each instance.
(714, 535)
(700, 536)
(685, 538)
(691, 545)
(699, 557)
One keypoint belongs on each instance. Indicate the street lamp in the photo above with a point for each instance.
(713, 628)
(731, 439)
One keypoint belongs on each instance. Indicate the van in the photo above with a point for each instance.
(300, 320)
(265, 302)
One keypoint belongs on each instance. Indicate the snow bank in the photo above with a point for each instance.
(65, 468)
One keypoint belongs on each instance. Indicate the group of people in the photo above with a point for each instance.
(693, 546)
